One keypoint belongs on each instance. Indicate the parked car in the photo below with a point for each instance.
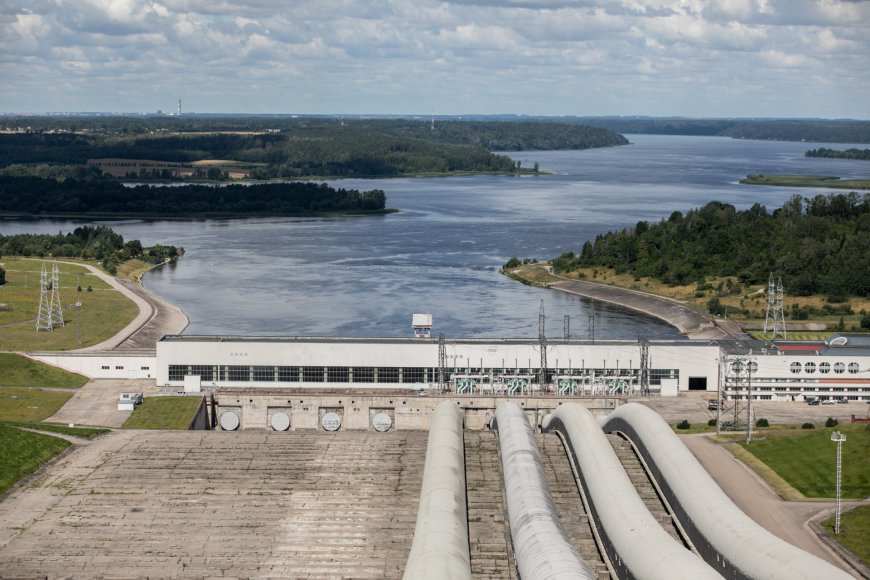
(712, 404)
(828, 402)
(842, 400)
(813, 402)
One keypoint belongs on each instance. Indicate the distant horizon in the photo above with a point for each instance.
(410, 116)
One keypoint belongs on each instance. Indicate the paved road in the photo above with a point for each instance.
(786, 519)
(687, 320)
(155, 317)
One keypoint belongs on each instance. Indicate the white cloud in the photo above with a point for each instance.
(469, 56)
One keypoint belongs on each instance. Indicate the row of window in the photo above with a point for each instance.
(401, 375)
(824, 367)
(120, 368)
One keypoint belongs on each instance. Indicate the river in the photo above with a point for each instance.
(365, 276)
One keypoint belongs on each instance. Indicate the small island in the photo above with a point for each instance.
(787, 180)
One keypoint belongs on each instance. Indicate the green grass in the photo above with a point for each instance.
(854, 531)
(19, 371)
(84, 432)
(21, 405)
(806, 459)
(22, 452)
(103, 312)
(786, 180)
(163, 413)
(693, 428)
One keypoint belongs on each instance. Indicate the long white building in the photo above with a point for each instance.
(838, 368)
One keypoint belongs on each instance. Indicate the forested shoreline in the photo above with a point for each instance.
(96, 197)
(819, 245)
(852, 153)
(99, 243)
(309, 148)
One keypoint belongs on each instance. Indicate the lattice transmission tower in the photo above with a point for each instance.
(50, 313)
(56, 309)
(544, 376)
(774, 320)
(735, 411)
(442, 363)
(643, 343)
(43, 318)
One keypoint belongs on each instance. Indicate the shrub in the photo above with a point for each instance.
(808, 426)
(762, 423)
(831, 422)
(684, 424)
(711, 423)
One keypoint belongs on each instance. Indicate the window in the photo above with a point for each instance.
(853, 368)
(795, 367)
(205, 372)
(810, 367)
(412, 375)
(238, 373)
(839, 368)
(824, 368)
(105, 367)
(121, 367)
(337, 374)
(263, 373)
(144, 368)
(388, 375)
(312, 374)
(363, 374)
(288, 374)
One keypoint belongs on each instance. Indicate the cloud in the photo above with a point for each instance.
(657, 57)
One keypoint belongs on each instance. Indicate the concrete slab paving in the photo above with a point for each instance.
(96, 403)
(247, 504)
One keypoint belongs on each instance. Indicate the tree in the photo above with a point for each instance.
(2, 276)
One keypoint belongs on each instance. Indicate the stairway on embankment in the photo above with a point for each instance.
(566, 496)
(642, 483)
(488, 528)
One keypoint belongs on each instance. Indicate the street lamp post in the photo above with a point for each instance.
(838, 438)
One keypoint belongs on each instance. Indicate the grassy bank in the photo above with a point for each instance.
(806, 459)
(20, 371)
(745, 303)
(786, 180)
(854, 531)
(103, 311)
(21, 405)
(163, 413)
(22, 452)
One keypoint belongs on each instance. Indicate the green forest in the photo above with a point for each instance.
(852, 153)
(88, 243)
(819, 245)
(304, 147)
(820, 131)
(39, 196)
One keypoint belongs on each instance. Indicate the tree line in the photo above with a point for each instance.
(852, 153)
(819, 245)
(88, 243)
(34, 195)
(314, 147)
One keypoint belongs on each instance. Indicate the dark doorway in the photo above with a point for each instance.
(697, 383)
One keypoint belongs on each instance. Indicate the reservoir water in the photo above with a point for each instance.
(365, 276)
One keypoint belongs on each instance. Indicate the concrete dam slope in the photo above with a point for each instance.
(139, 504)
(688, 321)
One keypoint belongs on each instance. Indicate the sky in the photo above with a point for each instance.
(695, 58)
